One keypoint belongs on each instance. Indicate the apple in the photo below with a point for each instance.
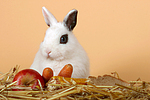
(29, 77)
(47, 74)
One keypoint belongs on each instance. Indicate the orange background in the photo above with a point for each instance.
(116, 35)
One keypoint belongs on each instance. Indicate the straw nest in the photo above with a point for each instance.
(105, 87)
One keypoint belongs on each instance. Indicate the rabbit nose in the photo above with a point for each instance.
(49, 52)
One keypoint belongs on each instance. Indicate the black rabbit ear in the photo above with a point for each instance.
(70, 19)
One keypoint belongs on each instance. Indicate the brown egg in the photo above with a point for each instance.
(47, 73)
(66, 71)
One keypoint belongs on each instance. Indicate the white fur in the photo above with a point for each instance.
(61, 54)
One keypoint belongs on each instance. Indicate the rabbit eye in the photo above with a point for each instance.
(64, 39)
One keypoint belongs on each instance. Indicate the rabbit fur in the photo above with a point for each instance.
(54, 54)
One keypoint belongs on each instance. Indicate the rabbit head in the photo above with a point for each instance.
(59, 41)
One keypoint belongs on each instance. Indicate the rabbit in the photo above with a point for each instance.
(60, 47)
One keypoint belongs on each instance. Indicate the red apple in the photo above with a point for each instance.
(28, 77)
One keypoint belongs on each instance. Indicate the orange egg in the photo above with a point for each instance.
(66, 71)
(47, 73)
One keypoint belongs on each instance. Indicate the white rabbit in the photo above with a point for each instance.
(60, 47)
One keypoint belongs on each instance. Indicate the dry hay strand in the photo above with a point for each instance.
(105, 87)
